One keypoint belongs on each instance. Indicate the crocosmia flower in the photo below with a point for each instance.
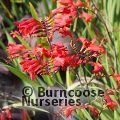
(109, 102)
(86, 16)
(28, 27)
(15, 50)
(97, 67)
(117, 77)
(93, 110)
(66, 2)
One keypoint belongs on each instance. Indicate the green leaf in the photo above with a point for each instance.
(48, 80)
(19, 105)
(22, 76)
(33, 11)
(75, 25)
(9, 38)
(87, 115)
(53, 4)
(73, 86)
(23, 41)
(46, 5)
(2, 45)
(58, 77)
(105, 116)
(5, 8)
(116, 115)
(42, 83)
(16, 1)
(68, 78)
(89, 29)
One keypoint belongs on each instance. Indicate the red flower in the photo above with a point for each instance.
(66, 2)
(6, 114)
(72, 61)
(65, 15)
(117, 77)
(97, 67)
(65, 32)
(68, 110)
(32, 67)
(71, 3)
(88, 17)
(44, 61)
(69, 7)
(112, 105)
(59, 62)
(15, 33)
(109, 102)
(15, 50)
(2, 116)
(79, 3)
(62, 24)
(24, 115)
(85, 42)
(62, 21)
(62, 10)
(91, 46)
(66, 10)
(38, 67)
(29, 26)
(40, 51)
(94, 110)
(58, 50)
(96, 48)
(110, 92)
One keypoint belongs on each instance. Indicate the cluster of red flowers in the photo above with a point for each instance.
(68, 110)
(34, 28)
(42, 28)
(109, 103)
(70, 10)
(7, 114)
(29, 26)
(40, 60)
(14, 50)
(90, 50)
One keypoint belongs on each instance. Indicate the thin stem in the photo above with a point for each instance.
(90, 80)
(109, 35)
(54, 77)
(84, 71)
(78, 76)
